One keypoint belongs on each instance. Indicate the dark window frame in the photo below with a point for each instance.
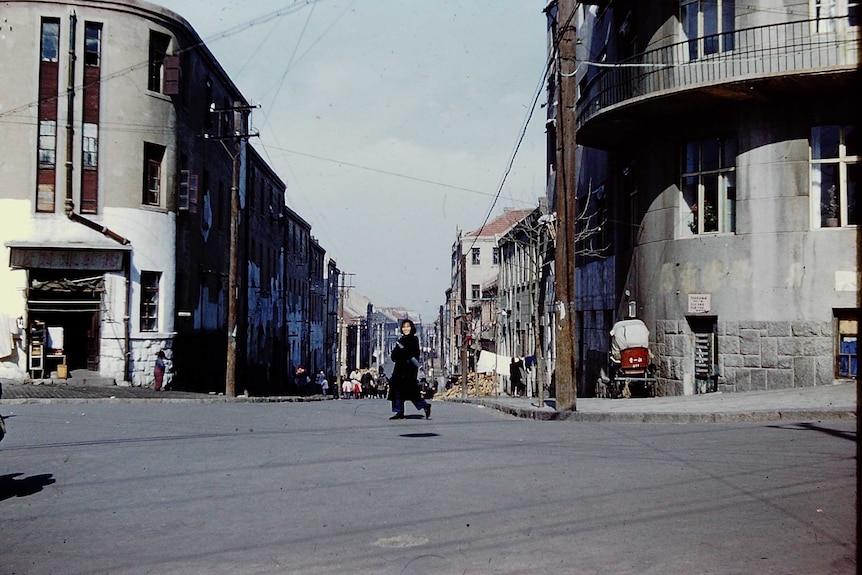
(159, 45)
(149, 308)
(153, 157)
(50, 40)
(92, 44)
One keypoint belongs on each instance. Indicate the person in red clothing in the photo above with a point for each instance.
(159, 371)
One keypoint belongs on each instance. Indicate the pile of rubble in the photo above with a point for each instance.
(478, 385)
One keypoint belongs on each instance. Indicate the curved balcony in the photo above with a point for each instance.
(653, 83)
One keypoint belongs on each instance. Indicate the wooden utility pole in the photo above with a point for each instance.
(463, 264)
(232, 283)
(239, 115)
(342, 339)
(565, 42)
(340, 329)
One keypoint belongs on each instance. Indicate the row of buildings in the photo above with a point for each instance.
(705, 156)
(701, 175)
(138, 217)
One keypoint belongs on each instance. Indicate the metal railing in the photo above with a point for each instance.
(750, 53)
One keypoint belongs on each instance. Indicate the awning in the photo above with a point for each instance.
(95, 257)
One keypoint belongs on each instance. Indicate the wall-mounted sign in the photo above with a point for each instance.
(699, 302)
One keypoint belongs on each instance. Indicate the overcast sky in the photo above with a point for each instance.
(391, 121)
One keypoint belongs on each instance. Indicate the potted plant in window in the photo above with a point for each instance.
(831, 208)
(710, 218)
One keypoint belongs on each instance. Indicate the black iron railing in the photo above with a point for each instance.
(750, 53)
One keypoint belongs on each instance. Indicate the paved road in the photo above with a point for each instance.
(838, 401)
(334, 487)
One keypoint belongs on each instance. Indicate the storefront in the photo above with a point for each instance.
(65, 303)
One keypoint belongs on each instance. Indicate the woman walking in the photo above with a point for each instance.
(404, 384)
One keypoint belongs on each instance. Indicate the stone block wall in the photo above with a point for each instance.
(751, 355)
(142, 361)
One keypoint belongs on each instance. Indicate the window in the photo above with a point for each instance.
(708, 25)
(828, 15)
(45, 192)
(92, 44)
(158, 49)
(475, 258)
(90, 146)
(50, 40)
(834, 172)
(496, 256)
(47, 142)
(476, 292)
(150, 301)
(848, 335)
(709, 186)
(187, 197)
(153, 155)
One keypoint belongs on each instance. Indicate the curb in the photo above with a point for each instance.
(549, 414)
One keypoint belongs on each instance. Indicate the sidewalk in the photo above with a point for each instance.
(836, 401)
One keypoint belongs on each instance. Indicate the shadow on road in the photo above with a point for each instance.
(10, 486)
(848, 435)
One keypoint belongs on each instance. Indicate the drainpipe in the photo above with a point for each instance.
(70, 110)
(70, 201)
(127, 324)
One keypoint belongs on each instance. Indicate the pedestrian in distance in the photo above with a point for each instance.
(302, 380)
(404, 384)
(517, 376)
(322, 382)
(356, 383)
(382, 386)
(159, 371)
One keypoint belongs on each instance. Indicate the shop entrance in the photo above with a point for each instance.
(64, 308)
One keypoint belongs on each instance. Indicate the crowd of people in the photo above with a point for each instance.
(358, 384)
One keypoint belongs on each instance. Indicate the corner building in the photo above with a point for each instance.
(115, 203)
(719, 142)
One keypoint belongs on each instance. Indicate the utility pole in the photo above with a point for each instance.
(239, 114)
(342, 294)
(565, 43)
(463, 325)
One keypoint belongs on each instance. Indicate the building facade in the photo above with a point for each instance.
(480, 253)
(524, 317)
(126, 160)
(718, 140)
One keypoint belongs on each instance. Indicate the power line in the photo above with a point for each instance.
(539, 90)
(387, 172)
(294, 7)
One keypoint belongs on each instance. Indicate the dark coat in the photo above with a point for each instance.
(404, 381)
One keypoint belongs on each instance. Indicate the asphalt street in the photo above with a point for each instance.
(171, 487)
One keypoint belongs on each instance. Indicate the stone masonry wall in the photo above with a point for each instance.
(752, 356)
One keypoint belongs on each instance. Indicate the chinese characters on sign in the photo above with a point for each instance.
(699, 302)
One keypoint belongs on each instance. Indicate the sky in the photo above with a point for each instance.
(392, 122)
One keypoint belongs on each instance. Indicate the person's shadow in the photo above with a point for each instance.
(11, 486)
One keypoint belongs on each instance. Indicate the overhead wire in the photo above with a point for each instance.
(386, 172)
(520, 140)
(295, 6)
